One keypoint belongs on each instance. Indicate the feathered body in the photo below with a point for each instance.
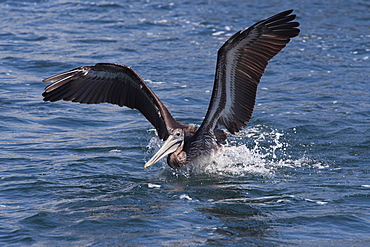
(241, 62)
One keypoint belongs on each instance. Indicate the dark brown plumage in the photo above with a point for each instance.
(241, 62)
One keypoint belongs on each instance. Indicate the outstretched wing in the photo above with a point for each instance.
(241, 62)
(111, 83)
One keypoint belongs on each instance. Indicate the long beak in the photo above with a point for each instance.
(168, 147)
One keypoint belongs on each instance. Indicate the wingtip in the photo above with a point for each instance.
(287, 12)
(49, 79)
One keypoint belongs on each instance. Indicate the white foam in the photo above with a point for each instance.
(186, 197)
(258, 150)
(257, 157)
(155, 186)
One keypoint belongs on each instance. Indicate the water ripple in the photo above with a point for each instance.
(72, 174)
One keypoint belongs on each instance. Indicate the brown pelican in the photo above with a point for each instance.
(241, 62)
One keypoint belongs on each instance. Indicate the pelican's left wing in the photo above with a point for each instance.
(241, 62)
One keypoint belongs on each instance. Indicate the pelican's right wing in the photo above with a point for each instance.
(241, 62)
(110, 83)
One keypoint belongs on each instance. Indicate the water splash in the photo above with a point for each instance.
(251, 151)
(259, 150)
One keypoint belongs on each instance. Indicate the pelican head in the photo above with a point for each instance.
(173, 147)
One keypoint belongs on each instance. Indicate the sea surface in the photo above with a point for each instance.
(72, 174)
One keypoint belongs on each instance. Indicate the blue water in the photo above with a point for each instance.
(72, 175)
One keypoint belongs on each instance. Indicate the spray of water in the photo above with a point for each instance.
(258, 150)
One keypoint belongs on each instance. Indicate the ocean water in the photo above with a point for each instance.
(72, 174)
